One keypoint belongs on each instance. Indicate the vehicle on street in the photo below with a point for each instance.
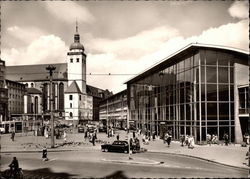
(116, 146)
(2, 130)
(81, 129)
(103, 129)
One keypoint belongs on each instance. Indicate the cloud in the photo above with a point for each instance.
(25, 34)
(152, 49)
(239, 9)
(69, 11)
(135, 46)
(45, 49)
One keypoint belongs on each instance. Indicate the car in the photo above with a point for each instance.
(102, 129)
(116, 146)
(2, 130)
(80, 129)
(91, 129)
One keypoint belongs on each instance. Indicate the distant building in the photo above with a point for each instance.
(113, 110)
(73, 100)
(199, 90)
(16, 92)
(3, 93)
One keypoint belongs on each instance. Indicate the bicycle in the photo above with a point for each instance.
(11, 175)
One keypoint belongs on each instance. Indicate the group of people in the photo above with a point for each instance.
(187, 140)
(213, 139)
(91, 136)
(110, 132)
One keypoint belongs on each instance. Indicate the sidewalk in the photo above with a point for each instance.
(232, 155)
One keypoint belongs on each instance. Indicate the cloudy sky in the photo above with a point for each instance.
(120, 37)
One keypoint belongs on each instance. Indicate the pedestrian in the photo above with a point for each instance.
(226, 139)
(246, 138)
(169, 140)
(44, 154)
(154, 134)
(186, 140)
(149, 135)
(137, 142)
(108, 132)
(12, 135)
(112, 132)
(191, 142)
(209, 139)
(86, 135)
(182, 140)
(65, 136)
(46, 133)
(117, 137)
(93, 139)
(165, 138)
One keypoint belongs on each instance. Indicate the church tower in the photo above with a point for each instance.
(76, 63)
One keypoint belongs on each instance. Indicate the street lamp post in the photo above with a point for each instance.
(51, 68)
(129, 152)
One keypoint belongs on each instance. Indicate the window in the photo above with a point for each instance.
(80, 97)
(70, 105)
(71, 60)
(70, 97)
(70, 114)
(77, 60)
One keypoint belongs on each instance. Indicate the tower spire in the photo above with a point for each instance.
(76, 26)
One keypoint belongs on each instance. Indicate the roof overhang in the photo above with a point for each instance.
(182, 52)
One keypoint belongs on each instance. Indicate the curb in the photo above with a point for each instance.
(131, 162)
(200, 158)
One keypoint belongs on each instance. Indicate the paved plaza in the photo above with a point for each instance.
(232, 155)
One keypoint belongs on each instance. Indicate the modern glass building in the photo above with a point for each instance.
(199, 90)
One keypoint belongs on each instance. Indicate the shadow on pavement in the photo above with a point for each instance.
(117, 175)
(42, 173)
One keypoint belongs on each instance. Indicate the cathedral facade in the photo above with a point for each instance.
(73, 101)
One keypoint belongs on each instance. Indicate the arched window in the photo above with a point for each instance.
(36, 105)
(61, 96)
(45, 96)
(70, 114)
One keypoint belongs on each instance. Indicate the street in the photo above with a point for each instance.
(93, 163)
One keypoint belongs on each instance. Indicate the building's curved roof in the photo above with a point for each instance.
(187, 49)
(76, 45)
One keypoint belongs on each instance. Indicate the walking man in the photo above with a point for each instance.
(93, 139)
(182, 140)
(226, 139)
(12, 135)
(44, 155)
(169, 139)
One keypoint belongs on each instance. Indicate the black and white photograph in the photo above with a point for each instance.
(124, 89)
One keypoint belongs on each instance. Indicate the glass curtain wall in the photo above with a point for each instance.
(191, 97)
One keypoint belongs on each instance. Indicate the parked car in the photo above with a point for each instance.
(81, 129)
(2, 130)
(91, 129)
(103, 129)
(116, 146)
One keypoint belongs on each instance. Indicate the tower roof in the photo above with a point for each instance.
(76, 44)
(73, 88)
